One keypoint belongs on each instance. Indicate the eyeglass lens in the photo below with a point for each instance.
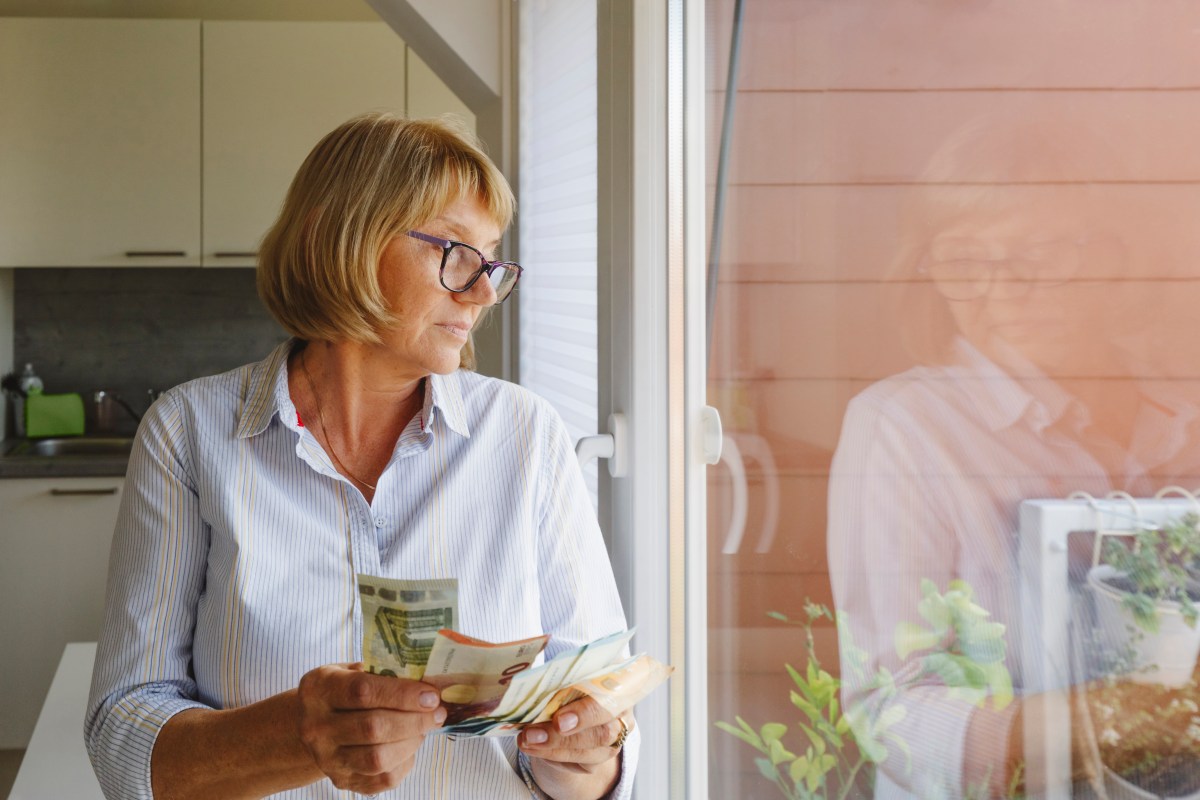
(463, 263)
(964, 274)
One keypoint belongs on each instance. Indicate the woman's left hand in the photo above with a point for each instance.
(583, 740)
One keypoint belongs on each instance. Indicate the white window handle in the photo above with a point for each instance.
(611, 445)
(712, 436)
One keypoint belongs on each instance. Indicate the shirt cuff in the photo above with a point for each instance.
(622, 791)
(120, 751)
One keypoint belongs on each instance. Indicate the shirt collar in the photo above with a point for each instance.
(261, 397)
(267, 395)
(1005, 398)
(445, 396)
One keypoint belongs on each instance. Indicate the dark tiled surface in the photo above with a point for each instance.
(129, 330)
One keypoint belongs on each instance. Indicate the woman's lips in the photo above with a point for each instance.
(456, 329)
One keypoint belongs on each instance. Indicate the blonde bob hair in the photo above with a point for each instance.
(373, 178)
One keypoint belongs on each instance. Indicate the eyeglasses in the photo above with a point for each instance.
(462, 265)
(966, 270)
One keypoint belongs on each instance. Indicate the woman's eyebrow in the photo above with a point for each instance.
(456, 229)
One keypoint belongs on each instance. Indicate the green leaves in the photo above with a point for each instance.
(810, 770)
(1160, 567)
(743, 732)
(956, 643)
(968, 648)
(911, 637)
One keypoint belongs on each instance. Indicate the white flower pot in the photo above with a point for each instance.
(1167, 657)
(1117, 788)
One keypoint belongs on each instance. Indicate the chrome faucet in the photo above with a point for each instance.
(105, 411)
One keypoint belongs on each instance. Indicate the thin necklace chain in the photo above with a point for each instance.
(324, 428)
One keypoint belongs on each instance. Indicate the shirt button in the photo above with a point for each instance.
(379, 522)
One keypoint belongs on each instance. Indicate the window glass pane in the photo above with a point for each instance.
(956, 271)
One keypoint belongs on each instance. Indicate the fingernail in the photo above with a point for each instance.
(439, 716)
(567, 722)
(429, 699)
(536, 736)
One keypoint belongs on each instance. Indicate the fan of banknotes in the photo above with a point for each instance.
(490, 689)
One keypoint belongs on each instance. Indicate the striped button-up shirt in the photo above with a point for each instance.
(233, 565)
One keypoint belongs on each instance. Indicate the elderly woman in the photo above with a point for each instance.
(228, 666)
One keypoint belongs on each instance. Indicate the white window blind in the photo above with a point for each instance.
(557, 215)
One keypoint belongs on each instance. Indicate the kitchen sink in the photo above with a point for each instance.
(74, 446)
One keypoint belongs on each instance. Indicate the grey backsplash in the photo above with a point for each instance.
(130, 330)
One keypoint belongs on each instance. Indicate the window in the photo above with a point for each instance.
(956, 270)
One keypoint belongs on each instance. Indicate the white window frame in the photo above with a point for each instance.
(652, 366)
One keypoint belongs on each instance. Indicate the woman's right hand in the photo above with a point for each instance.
(363, 730)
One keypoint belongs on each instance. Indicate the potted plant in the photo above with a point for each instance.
(1145, 598)
(833, 753)
(1148, 740)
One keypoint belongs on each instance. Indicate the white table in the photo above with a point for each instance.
(56, 765)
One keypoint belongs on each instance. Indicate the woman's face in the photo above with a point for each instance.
(1041, 296)
(432, 323)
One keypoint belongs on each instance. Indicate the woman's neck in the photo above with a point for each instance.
(355, 403)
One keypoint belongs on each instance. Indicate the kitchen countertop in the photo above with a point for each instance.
(56, 764)
(61, 466)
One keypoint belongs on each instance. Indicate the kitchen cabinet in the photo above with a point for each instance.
(55, 535)
(99, 142)
(271, 91)
(129, 142)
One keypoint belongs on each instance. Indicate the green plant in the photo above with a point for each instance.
(838, 749)
(1161, 566)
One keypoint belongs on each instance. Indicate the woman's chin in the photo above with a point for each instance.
(447, 361)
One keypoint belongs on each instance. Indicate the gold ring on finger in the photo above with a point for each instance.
(619, 742)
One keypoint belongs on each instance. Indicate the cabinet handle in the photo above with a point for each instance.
(236, 254)
(78, 492)
(157, 253)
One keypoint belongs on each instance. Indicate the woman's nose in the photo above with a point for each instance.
(481, 292)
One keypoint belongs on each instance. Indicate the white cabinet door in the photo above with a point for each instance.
(55, 535)
(271, 91)
(99, 142)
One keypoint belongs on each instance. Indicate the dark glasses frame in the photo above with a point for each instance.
(485, 267)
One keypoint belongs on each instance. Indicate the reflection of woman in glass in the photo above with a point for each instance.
(1032, 384)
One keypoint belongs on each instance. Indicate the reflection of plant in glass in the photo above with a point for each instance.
(967, 647)
(1149, 734)
(840, 749)
(1160, 567)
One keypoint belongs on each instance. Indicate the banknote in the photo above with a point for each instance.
(401, 619)
(490, 689)
(473, 675)
(615, 688)
(595, 669)
(531, 695)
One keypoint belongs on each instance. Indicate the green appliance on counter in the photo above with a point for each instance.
(53, 415)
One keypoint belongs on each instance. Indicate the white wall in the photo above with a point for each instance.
(472, 28)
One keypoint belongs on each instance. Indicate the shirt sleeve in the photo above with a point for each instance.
(142, 675)
(579, 599)
(624, 787)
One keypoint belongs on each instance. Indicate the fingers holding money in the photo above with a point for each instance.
(582, 732)
(363, 730)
